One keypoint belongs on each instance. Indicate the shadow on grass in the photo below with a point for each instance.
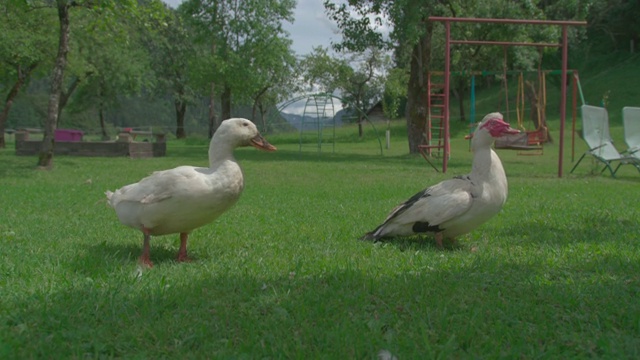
(26, 166)
(596, 174)
(487, 308)
(17, 166)
(417, 243)
(591, 228)
(102, 256)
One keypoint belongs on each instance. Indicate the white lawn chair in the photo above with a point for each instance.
(631, 121)
(595, 131)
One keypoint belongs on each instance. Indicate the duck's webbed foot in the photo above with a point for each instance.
(439, 238)
(182, 253)
(145, 258)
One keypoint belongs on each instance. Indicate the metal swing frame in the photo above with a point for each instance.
(564, 45)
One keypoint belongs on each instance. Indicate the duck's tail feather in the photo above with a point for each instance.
(109, 194)
(368, 237)
(374, 235)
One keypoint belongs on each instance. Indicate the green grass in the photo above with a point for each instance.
(282, 274)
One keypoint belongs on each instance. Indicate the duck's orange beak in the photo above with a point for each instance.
(261, 143)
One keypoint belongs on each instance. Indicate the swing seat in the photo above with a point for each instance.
(537, 137)
(524, 141)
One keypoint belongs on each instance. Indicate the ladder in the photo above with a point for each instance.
(434, 144)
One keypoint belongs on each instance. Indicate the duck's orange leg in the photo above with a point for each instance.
(182, 253)
(145, 258)
(439, 238)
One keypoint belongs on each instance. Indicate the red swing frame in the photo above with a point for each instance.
(564, 45)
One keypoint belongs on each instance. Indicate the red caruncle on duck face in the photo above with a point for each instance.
(498, 127)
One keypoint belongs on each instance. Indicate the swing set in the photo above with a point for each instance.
(529, 140)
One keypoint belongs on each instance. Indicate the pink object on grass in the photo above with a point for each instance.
(68, 135)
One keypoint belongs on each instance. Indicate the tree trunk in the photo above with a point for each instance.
(417, 105)
(103, 127)
(360, 117)
(66, 95)
(213, 126)
(212, 110)
(263, 119)
(254, 110)
(225, 99)
(257, 105)
(181, 109)
(45, 158)
(13, 93)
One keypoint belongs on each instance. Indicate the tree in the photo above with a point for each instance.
(413, 43)
(173, 53)
(361, 22)
(45, 158)
(356, 76)
(23, 49)
(239, 33)
(274, 78)
(395, 92)
(108, 67)
(363, 84)
(106, 9)
(614, 23)
(321, 72)
(468, 58)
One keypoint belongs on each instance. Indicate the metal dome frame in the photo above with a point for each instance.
(312, 100)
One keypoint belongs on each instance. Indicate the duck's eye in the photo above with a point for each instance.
(245, 124)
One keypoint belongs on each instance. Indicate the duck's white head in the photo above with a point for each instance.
(241, 132)
(492, 127)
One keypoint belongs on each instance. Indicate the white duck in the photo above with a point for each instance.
(182, 199)
(456, 206)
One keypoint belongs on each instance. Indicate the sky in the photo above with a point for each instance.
(311, 27)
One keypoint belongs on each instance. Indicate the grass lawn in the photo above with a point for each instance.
(282, 275)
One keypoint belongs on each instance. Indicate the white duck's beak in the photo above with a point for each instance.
(261, 143)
